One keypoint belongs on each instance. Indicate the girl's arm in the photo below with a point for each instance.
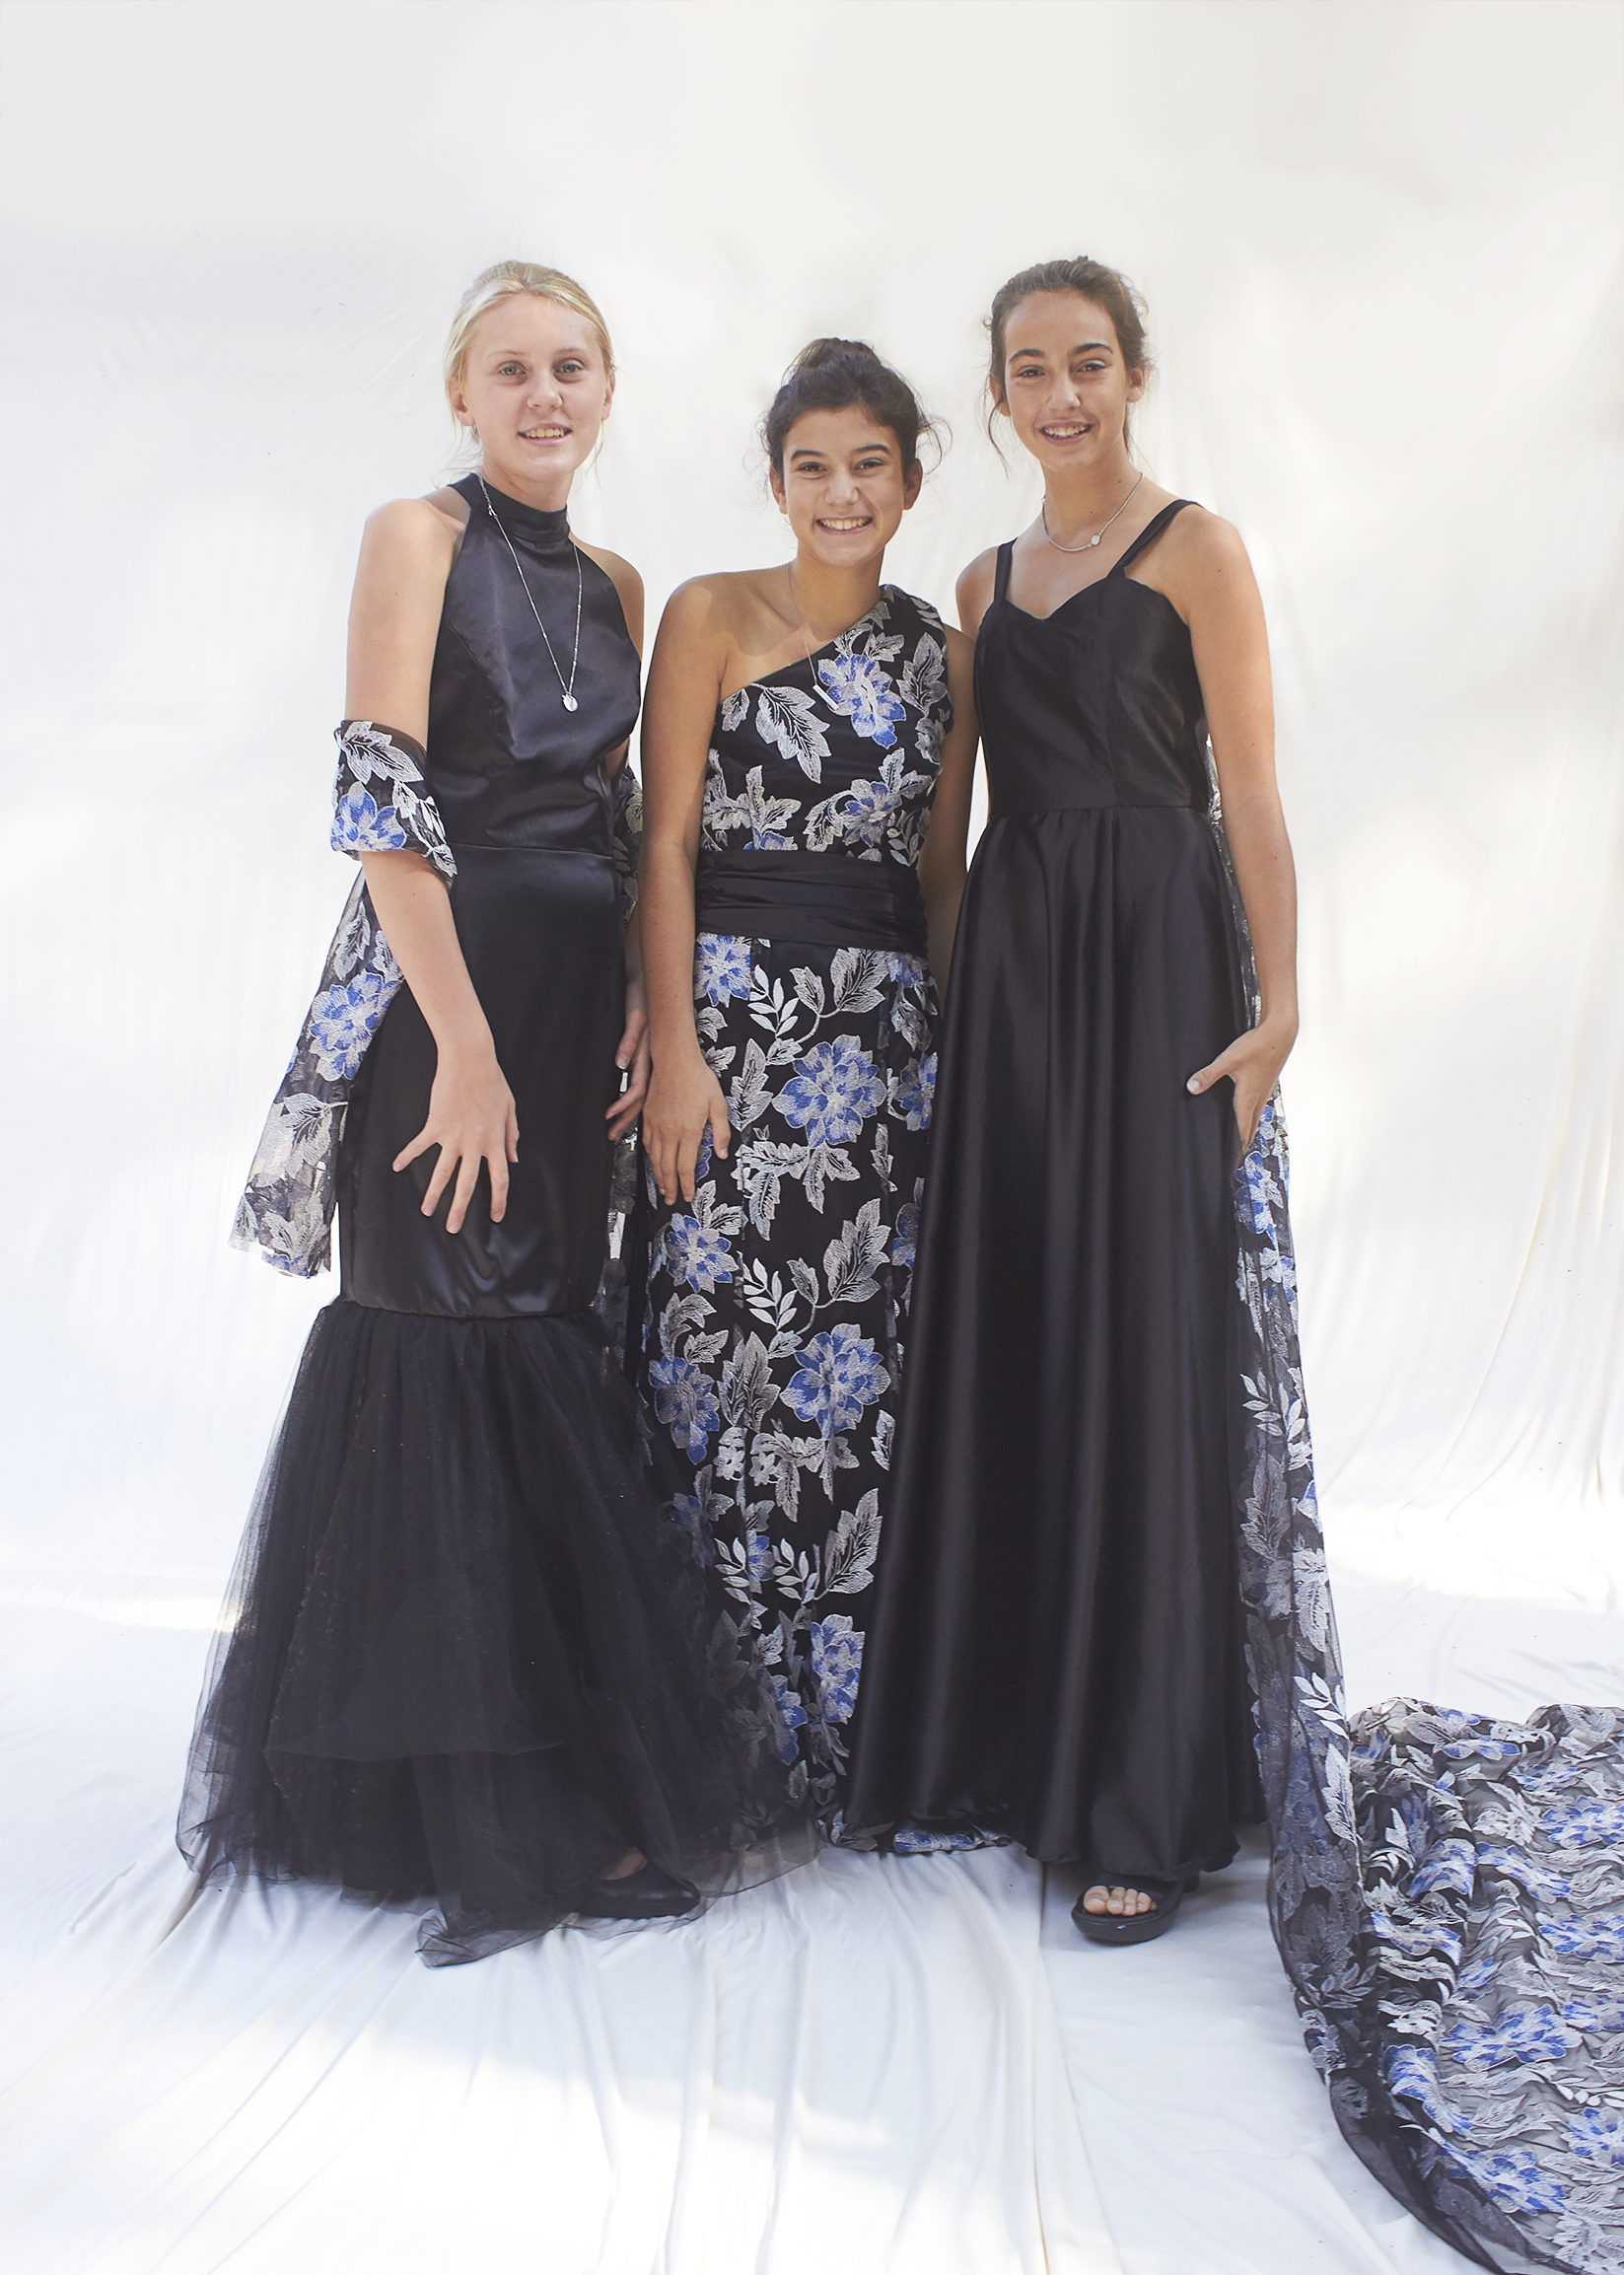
(684, 685)
(407, 555)
(942, 858)
(1210, 582)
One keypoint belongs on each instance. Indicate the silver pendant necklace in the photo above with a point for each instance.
(1089, 544)
(568, 685)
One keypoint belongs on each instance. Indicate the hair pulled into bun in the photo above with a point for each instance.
(833, 375)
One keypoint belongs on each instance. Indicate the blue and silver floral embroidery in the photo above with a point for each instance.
(778, 1295)
(1447, 1890)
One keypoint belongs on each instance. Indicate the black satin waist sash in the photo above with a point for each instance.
(825, 899)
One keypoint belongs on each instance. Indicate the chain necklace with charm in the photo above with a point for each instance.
(1089, 544)
(568, 685)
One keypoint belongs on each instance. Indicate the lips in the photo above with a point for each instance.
(542, 433)
(843, 524)
(1066, 434)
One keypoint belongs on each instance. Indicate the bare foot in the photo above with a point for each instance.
(1120, 1902)
(633, 1861)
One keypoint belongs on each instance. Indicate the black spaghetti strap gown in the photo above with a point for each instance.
(464, 1659)
(1056, 1650)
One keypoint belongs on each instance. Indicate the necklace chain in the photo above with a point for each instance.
(1089, 544)
(568, 685)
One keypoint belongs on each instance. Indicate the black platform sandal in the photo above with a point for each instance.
(1143, 1927)
(648, 1894)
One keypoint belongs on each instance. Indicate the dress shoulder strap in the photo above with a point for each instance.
(1150, 533)
(1000, 575)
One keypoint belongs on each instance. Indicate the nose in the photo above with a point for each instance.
(842, 486)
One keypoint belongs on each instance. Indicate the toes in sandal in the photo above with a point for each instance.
(1142, 1927)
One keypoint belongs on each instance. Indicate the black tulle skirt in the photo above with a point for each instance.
(464, 1654)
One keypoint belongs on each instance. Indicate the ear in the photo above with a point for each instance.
(912, 483)
(1137, 384)
(608, 393)
(775, 482)
(1000, 400)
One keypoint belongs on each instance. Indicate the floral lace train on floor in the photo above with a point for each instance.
(1448, 1889)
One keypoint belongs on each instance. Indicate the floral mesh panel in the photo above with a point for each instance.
(1446, 1891)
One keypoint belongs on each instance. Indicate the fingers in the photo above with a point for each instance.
(721, 1134)
(467, 1176)
(439, 1180)
(498, 1165)
(420, 1144)
(1204, 1077)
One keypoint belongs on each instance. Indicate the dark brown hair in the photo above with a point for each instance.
(1092, 280)
(832, 375)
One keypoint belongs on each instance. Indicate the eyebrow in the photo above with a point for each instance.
(807, 450)
(1089, 346)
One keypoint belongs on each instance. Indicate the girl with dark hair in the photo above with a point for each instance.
(1102, 1625)
(1058, 1651)
(807, 754)
(464, 1660)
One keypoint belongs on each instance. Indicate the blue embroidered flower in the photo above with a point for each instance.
(865, 808)
(1524, 2034)
(1513, 2178)
(758, 1558)
(684, 1398)
(344, 1021)
(1597, 2135)
(792, 1715)
(1590, 1824)
(915, 1091)
(838, 1376)
(859, 689)
(720, 966)
(1413, 2072)
(837, 1661)
(834, 1088)
(694, 1255)
(361, 826)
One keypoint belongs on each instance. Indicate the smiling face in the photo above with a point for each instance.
(1066, 389)
(843, 486)
(535, 384)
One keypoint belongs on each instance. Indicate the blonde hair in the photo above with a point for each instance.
(510, 276)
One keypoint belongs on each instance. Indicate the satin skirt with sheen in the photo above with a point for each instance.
(1056, 1649)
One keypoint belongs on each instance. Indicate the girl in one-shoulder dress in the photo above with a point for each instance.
(802, 723)
(464, 1656)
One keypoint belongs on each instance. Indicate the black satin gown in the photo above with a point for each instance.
(465, 1656)
(1055, 1653)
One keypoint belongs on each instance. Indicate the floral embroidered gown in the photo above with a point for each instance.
(778, 1301)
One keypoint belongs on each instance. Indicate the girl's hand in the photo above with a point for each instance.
(632, 1058)
(1253, 1063)
(680, 1104)
(471, 1119)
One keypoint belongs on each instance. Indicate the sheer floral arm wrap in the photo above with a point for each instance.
(378, 806)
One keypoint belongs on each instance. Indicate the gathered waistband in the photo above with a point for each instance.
(824, 899)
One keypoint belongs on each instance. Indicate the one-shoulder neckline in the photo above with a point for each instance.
(1154, 529)
(810, 658)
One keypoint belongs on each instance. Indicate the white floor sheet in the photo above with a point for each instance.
(1381, 241)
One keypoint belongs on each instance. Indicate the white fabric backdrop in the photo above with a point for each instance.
(1382, 247)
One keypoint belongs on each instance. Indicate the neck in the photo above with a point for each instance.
(548, 493)
(1081, 497)
(828, 598)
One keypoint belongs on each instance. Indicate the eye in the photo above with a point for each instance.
(570, 370)
(509, 371)
(1030, 371)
